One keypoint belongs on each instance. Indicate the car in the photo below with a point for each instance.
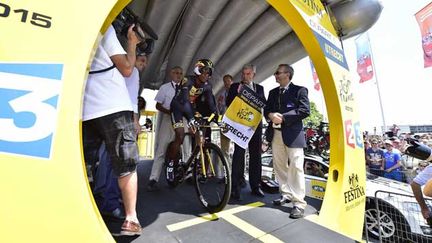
(400, 214)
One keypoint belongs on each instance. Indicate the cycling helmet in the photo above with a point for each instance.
(203, 65)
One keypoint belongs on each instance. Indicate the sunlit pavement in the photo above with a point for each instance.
(175, 215)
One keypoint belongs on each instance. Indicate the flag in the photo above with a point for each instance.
(317, 85)
(424, 20)
(243, 116)
(364, 58)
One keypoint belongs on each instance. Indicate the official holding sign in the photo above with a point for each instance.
(246, 112)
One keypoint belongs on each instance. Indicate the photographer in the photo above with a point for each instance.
(108, 117)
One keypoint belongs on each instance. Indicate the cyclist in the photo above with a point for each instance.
(193, 95)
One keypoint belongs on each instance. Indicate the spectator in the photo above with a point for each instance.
(286, 107)
(164, 129)
(395, 130)
(108, 117)
(392, 162)
(420, 180)
(254, 146)
(374, 158)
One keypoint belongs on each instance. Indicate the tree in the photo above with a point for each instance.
(314, 118)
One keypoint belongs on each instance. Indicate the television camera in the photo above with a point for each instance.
(419, 150)
(125, 19)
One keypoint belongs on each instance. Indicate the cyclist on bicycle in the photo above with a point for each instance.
(194, 95)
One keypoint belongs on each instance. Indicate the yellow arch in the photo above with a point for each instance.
(344, 199)
(45, 193)
(47, 53)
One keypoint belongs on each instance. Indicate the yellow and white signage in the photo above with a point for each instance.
(243, 116)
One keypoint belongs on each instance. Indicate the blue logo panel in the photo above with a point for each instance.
(29, 94)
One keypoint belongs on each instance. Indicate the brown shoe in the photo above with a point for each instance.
(130, 228)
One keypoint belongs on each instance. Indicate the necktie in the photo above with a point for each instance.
(281, 92)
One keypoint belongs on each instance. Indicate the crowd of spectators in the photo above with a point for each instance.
(385, 156)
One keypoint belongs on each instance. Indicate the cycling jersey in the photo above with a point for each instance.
(191, 97)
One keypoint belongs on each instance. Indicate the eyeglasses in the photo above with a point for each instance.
(177, 73)
(277, 73)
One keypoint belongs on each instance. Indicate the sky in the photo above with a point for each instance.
(405, 85)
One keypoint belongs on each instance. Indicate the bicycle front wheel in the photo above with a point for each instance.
(212, 178)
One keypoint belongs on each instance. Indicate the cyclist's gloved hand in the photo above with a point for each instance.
(193, 123)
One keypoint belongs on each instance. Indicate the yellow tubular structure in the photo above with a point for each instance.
(344, 199)
(45, 57)
(45, 193)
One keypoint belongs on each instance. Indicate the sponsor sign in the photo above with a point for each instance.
(355, 195)
(318, 188)
(243, 116)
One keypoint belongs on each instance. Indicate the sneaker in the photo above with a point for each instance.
(170, 171)
(130, 228)
(297, 213)
(152, 186)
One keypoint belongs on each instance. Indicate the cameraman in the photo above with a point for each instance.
(108, 117)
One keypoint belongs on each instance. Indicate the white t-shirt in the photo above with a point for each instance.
(132, 84)
(165, 94)
(424, 176)
(106, 92)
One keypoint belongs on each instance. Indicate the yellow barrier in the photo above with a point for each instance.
(146, 144)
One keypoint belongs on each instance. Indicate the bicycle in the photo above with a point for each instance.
(211, 174)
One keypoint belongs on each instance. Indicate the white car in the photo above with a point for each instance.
(400, 215)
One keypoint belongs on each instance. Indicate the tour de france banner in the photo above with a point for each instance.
(424, 20)
(243, 116)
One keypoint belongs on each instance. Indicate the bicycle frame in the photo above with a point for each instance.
(198, 148)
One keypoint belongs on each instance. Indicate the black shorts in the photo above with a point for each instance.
(118, 132)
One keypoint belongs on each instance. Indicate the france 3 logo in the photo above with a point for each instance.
(29, 95)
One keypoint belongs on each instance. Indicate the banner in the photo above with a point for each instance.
(317, 85)
(364, 58)
(424, 20)
(243, 116)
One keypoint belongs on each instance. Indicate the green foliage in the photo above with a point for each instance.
(314, 118)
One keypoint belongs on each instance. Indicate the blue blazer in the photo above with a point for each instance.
(294, 106)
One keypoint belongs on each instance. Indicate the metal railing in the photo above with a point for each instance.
(396, 217)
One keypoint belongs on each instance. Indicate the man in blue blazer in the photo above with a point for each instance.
(238, 161)
(286, 107)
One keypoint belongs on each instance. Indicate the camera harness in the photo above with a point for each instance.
(102, 70)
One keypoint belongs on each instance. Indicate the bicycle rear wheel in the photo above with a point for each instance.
(212, 180)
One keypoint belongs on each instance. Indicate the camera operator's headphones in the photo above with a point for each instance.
(203, 65)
